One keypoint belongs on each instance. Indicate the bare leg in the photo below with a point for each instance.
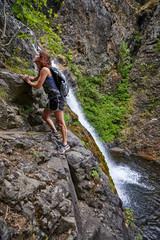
(45, 115)
(59, 115)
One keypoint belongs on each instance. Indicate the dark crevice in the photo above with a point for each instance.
(75, 204)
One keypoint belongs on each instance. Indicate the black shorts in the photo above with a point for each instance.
(56, 104)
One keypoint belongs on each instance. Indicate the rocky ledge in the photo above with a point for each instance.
(47, 196)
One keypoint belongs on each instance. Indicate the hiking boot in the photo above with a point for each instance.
(63, 149)
(55, 134)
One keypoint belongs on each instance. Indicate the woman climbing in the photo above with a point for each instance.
(56, 101)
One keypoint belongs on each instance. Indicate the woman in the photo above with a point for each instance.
(56, 102)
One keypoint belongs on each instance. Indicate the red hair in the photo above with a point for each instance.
(44, 59)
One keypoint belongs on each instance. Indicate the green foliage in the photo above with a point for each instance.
(75, 70)
(102, 110)
(16, 64)
(67, 118)
(25, 109)
(76, 123)
(3, 93)
(152, 101)
(95, 175)
(124, 64)
(111, 186)
(69, 55)
(139, 237)
(23, 35)
(30, 13)
(157, 48)
(32, 133)
(106, 112)
(129, 217)
(150, 69)
(36, 154)
(137, 39)
(100, 168)
(59, 1)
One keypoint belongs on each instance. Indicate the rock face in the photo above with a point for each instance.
(20, 105)
(143, 125)
(17, 90)
(39, 197)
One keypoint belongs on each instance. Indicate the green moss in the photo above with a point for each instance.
(146, 68)
(67, 119)
(129, 217)
(95, 174)
(18, 65)
(3, 93)
(137, 39)
(157, 47)
(25, 110)
(32, 133)
(139, 237)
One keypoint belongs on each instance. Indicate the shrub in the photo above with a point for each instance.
(129, 217)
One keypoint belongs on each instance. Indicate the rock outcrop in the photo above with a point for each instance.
(46, 195)
(11, 44)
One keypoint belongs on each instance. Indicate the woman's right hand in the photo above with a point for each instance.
(26, 78)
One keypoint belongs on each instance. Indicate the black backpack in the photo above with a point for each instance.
(60, 81)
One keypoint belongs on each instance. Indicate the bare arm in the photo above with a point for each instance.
(40, 80)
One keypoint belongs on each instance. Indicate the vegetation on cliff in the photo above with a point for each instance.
(106, 110)
(31, 14)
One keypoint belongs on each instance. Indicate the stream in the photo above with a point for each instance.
(137, 181)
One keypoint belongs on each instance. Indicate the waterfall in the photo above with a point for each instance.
(119, 173)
